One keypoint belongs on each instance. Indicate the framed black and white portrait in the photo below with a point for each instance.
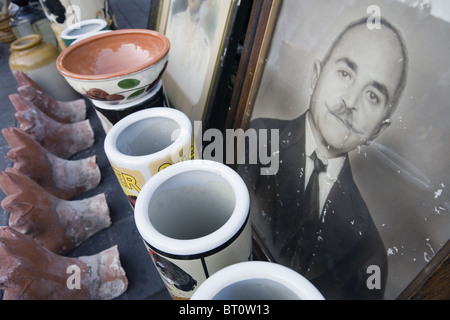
(199, 33)
(357, 92)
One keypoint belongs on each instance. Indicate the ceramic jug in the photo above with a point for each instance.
(6, 34)
(37, 59)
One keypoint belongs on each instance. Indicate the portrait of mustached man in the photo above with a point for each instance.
(190, 49)
(319, 222)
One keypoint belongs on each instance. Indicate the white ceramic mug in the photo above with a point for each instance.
(194, 219)
(257, 280)
(144, 143)
(109, 114)
(83, 29)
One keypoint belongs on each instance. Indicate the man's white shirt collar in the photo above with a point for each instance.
(334, 166)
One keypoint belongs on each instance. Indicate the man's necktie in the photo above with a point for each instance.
(300, 244)
(311, 199)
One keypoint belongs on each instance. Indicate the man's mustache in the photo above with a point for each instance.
(345, 115)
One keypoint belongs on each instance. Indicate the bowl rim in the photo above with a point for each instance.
(121, 73)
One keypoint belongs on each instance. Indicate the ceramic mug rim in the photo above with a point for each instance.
(100, 23)
(119, 74)
(202, 246)
(122, 160)
(254, 270)
(88, 35)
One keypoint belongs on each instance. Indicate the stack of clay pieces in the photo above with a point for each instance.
(45, 223)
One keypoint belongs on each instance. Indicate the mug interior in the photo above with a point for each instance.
(147, 136)
(85, 28)
(256, 289)
(191, 205)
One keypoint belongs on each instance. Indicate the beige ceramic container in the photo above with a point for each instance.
(36, 59)
(115, 67)
(6, 33)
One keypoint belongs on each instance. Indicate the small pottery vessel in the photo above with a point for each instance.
(82, 29)
(257, 280)
(64, 13)
(36, 58)
(115, 67)
(90, 35)
(6, 34)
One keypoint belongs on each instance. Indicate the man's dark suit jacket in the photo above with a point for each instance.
(349, 241)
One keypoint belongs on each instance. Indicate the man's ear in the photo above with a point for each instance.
(317, 68)
(382, 127)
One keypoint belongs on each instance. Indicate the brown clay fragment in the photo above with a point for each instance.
(63, 178)
(61, 139)
(28, 271)
(56, 224)
(62, 111)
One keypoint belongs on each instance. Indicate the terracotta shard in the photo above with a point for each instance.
(28, 271)
(62, 139)
(24, 80)
(56, 224)
(62, 111)
(63, 178)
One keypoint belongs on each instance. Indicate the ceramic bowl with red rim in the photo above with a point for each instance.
(115, 67)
